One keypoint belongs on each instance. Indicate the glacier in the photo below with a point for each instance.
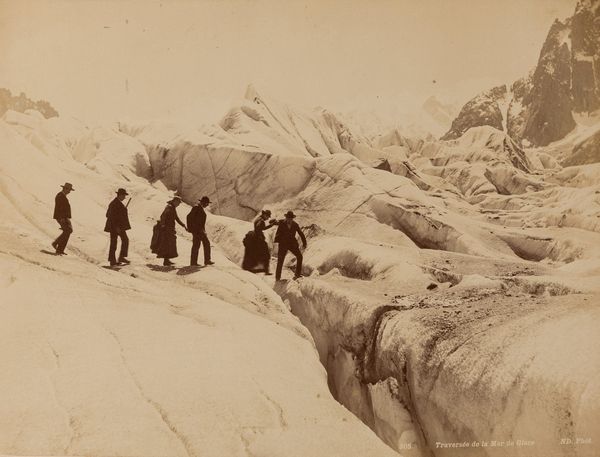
(450, 298)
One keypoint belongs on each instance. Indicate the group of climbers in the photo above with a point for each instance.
(164, 239)
(257, 255)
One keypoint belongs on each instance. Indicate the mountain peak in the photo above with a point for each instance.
(565, 81)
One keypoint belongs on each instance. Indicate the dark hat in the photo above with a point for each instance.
(175, 199)
(121, 191)
(290, 214)
(266, 212)
(68, 186)
(204, 199)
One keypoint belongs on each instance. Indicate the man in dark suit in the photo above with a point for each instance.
(117, 224)
(286, 237)
(62, 214)
(196, 222)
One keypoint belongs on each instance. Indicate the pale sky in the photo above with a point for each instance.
(101, 60)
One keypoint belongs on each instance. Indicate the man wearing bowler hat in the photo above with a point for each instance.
(286, 237)
(62, 214)
(117, 224)
(196, 224)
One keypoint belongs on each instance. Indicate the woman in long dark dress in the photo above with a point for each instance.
(167, 243)
(257, 256)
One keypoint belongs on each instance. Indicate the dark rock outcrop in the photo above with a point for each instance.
(548, 116)
(585, 55)
(481, 110)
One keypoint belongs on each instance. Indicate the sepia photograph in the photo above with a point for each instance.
(300, 228)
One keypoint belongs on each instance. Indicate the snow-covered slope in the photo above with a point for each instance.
(142, 361)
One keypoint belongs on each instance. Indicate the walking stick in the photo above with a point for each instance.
(127, 204)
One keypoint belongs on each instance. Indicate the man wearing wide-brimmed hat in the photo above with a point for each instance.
(62, 214)
(196, 222)
(286, 237)
(117, 224)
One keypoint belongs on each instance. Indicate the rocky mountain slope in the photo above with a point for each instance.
(566, 80)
